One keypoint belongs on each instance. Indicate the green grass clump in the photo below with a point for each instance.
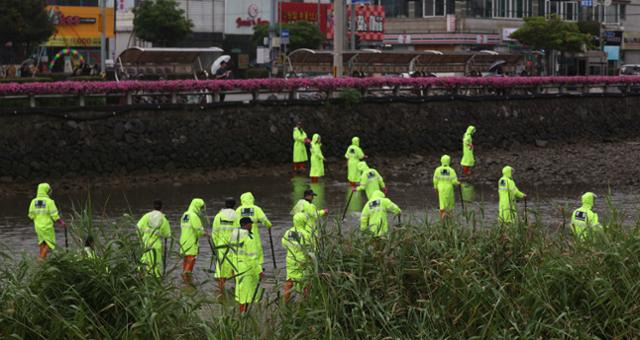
(422, 281)
(433, 281)
(74, 297)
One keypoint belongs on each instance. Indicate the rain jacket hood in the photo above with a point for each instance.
(588, 200)
(44, 189)
(247, 199)
(362, 166)
(507, 172)
(196, 205)
(445, 160)
(377, 194)
(471, 130)
(355, 141)
(315, 138)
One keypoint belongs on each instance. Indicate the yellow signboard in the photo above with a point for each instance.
(78, 25)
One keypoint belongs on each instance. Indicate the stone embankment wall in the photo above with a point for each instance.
(38, 146)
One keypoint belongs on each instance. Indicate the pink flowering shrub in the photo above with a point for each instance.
(285, 85)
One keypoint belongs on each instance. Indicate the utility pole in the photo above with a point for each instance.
(103, 36)
(353, 25)
(338, 36)
(318, 14)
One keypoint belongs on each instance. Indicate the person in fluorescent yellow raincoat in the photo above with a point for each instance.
(374, 214)
(299, 148)
(354, 155)
(190, 232)
(152, 228)
(583, 220)
(44, 213)
(317, 159)
(313, 214)
(244, 254)
(370, 180)
(298, 243)
(223, 225)
(508, 193)
(468, 160)
(247, 208)
(444, 182)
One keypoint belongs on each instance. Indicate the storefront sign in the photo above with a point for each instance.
(369, 22)
(506, 34)
(78, 26)
(297, 11)
(125, 5)
(442, 39)
(613, 38)
(241, 16)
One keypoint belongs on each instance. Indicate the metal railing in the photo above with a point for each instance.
(408, 92)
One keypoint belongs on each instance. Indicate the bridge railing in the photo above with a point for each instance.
(127, 93)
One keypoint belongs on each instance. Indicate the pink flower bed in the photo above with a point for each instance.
(277, 85)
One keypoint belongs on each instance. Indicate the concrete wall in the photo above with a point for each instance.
(46, 146)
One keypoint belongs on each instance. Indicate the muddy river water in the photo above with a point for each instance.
(277, 194)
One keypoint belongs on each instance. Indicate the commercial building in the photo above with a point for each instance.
(464, 25)
(76, 39)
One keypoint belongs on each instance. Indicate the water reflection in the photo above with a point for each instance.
(468, 192)
(354, 200)
(298, 185)
(318, 189)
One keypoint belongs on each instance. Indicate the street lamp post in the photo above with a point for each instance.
(338, 36)
(103, 35)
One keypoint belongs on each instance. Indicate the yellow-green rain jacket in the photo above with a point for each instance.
(317, 159)
(354, 155)
(311, 212)
(444, 179)
(370, 180)
(249, 209)
(221, 229)
(297, 241)
(152, 227)
(374, 214)
(508, 193)
(299, 149)
(191, 228)
(245, 256)
(468, 159)
(44, 213)
(583, 220)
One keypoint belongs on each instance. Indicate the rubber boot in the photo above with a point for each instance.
(288, 286)
(443, 214)
(466, 170)
(314, 179)
(243, 307)
(221, 283)
(44, 250)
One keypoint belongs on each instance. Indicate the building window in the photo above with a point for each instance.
(480, 8)
(609, 14)
(437, 8)
(512, 8)
(567, 10)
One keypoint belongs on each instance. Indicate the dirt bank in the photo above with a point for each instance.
(543, 164)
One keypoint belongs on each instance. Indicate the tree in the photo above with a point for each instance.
(552, 34)
(302, 34)
(24, 24)
(161, 22)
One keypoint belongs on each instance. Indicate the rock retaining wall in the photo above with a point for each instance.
(38, 146)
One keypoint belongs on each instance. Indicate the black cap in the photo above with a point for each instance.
(245, 221)
(309, 192)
